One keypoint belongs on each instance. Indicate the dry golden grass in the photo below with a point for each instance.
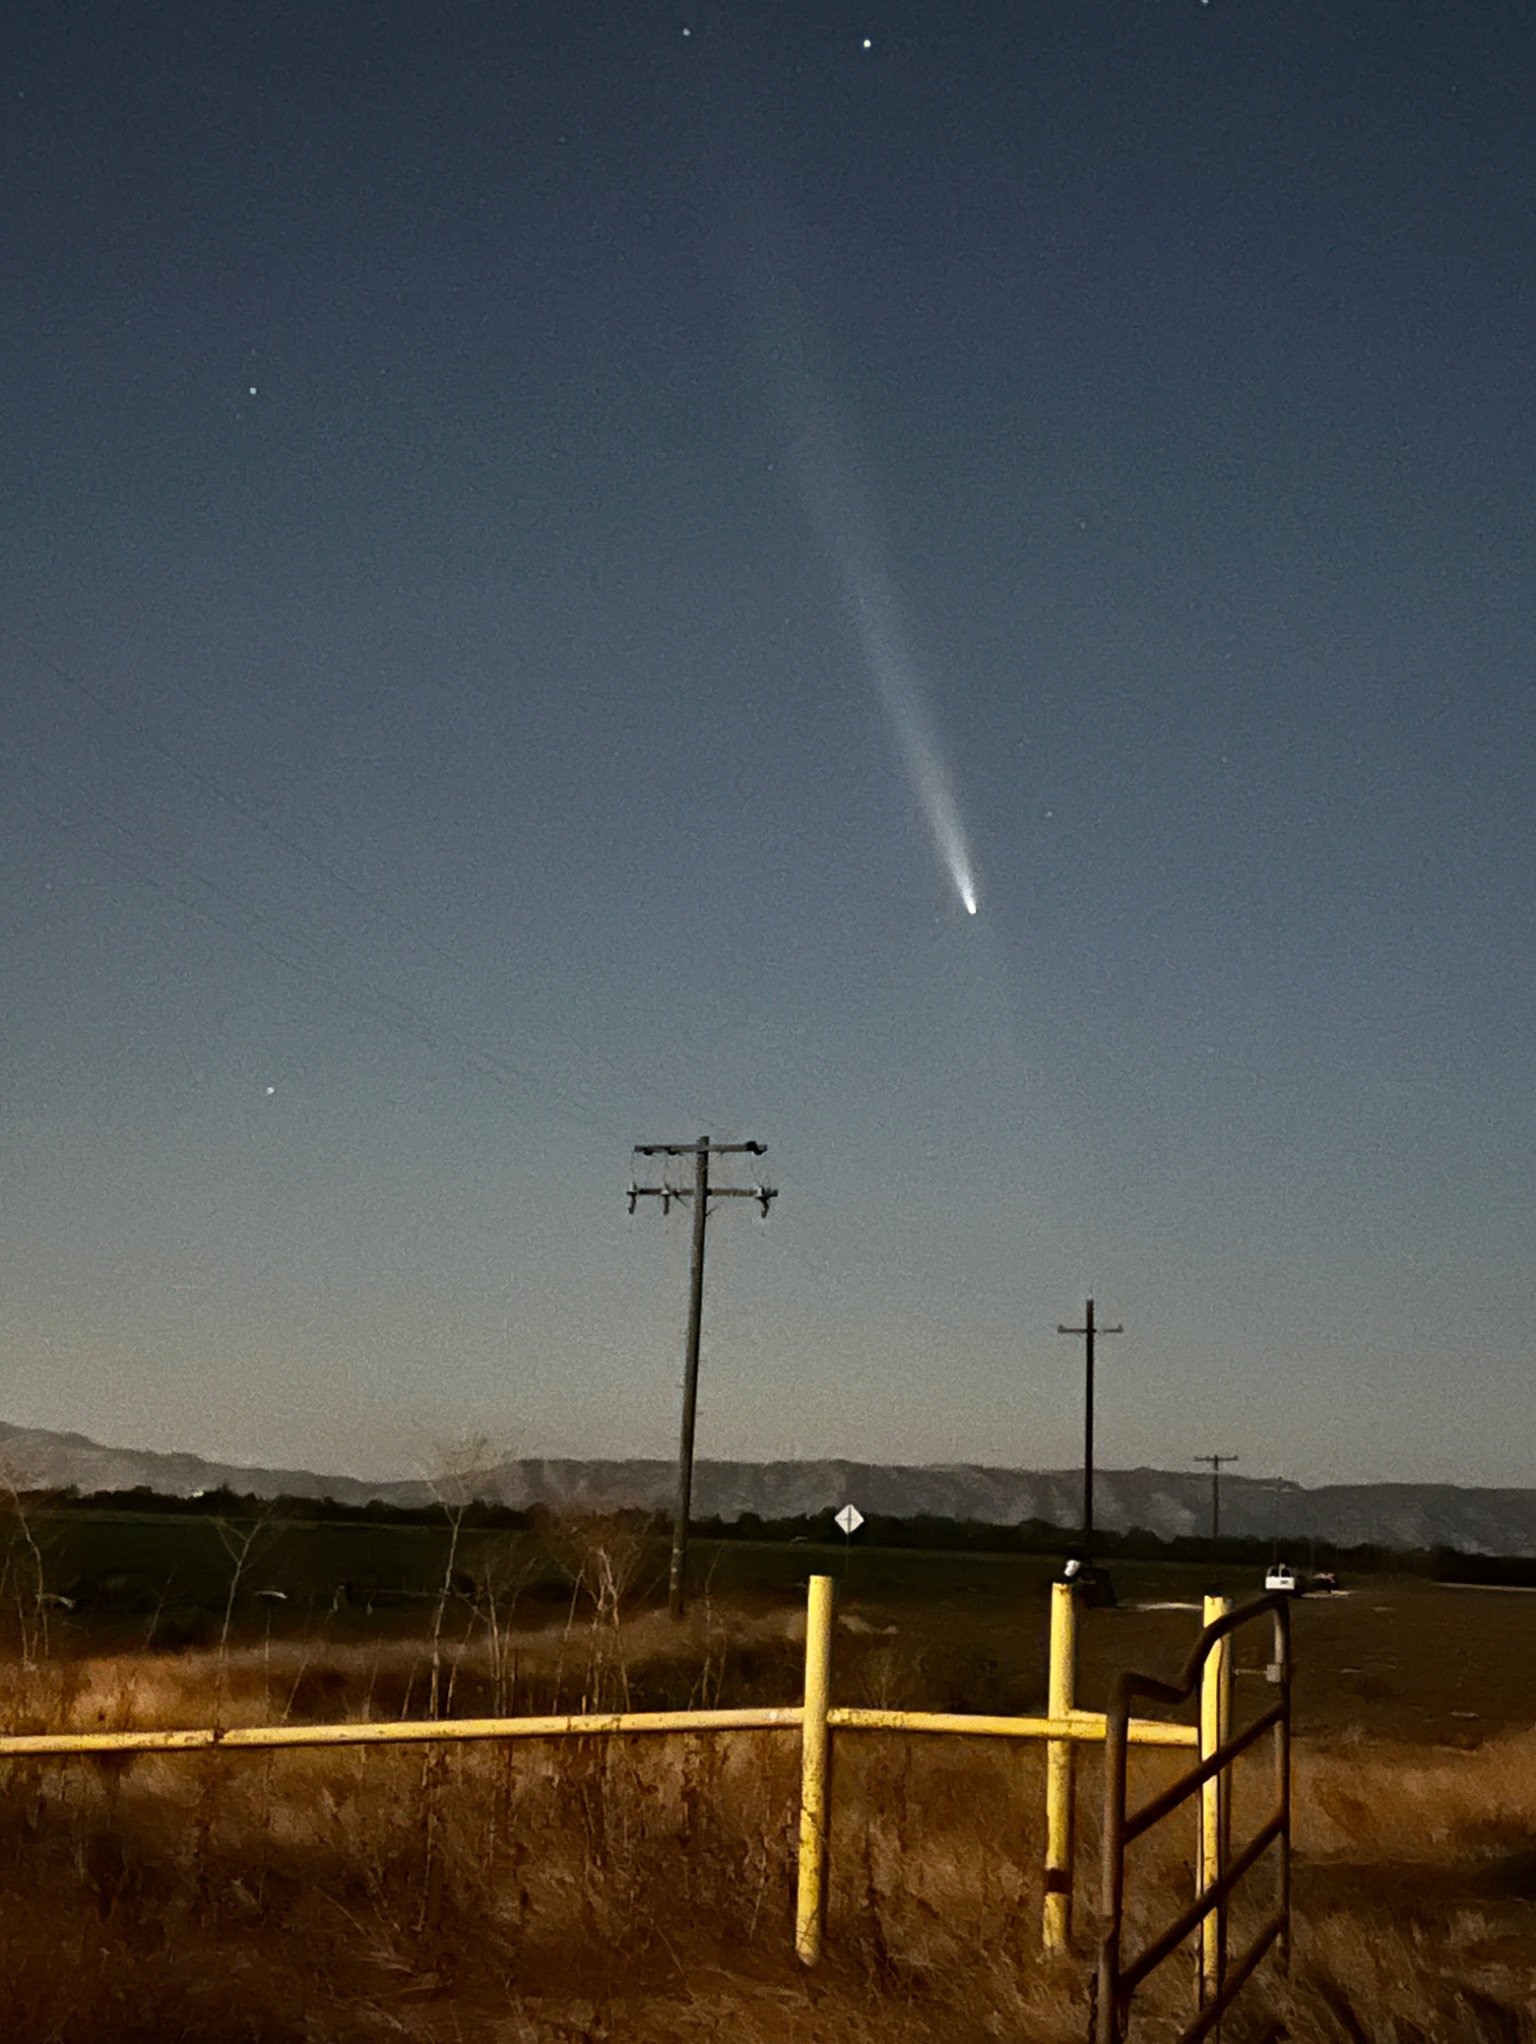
(603, 1888)
(1417, 1891)
(1425, 1805)
(641, 1890)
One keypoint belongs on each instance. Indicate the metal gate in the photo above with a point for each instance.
(1219, 1980)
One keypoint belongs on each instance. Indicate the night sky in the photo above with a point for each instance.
(540, 540)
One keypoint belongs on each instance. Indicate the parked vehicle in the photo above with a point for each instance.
(1281, 1576)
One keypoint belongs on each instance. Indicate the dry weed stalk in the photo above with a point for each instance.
(602, 1558)
(23, 1576)
(242, 1544)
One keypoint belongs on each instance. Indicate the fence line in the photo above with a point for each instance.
(815, 1718)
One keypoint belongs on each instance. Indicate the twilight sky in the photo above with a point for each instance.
(536, 536)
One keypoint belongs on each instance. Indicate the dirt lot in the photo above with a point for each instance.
(1393, 1657)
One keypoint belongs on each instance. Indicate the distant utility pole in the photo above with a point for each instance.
(1088, 1330)
(700, 1192)
(1216, 1462)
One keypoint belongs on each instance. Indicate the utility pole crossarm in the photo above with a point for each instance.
(693, 1149)
(667, 1193)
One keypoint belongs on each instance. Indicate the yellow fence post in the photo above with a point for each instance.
(1215, 1726)
(810, 1897)
(1060, 1768)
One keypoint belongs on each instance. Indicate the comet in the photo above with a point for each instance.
(844, 523)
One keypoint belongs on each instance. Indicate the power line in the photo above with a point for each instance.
(373, 1003)
(423, 1028)
(419, 1026)
(215, 790)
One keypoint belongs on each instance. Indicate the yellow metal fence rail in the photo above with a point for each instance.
(816, 1718)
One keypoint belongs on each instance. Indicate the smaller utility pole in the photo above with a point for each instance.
(700, 1192)
(1216, 1462)
(1088, 1330)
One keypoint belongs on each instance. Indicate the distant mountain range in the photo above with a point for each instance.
(1167, 1503)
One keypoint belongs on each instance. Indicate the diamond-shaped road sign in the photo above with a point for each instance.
(850, 1518)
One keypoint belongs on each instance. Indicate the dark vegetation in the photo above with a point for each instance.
(133, 1568)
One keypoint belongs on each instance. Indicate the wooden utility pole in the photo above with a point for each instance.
(1216, 1462)
(1088, 1330)
(700, 1192)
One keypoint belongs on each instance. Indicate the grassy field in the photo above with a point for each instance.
(642, 1890)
